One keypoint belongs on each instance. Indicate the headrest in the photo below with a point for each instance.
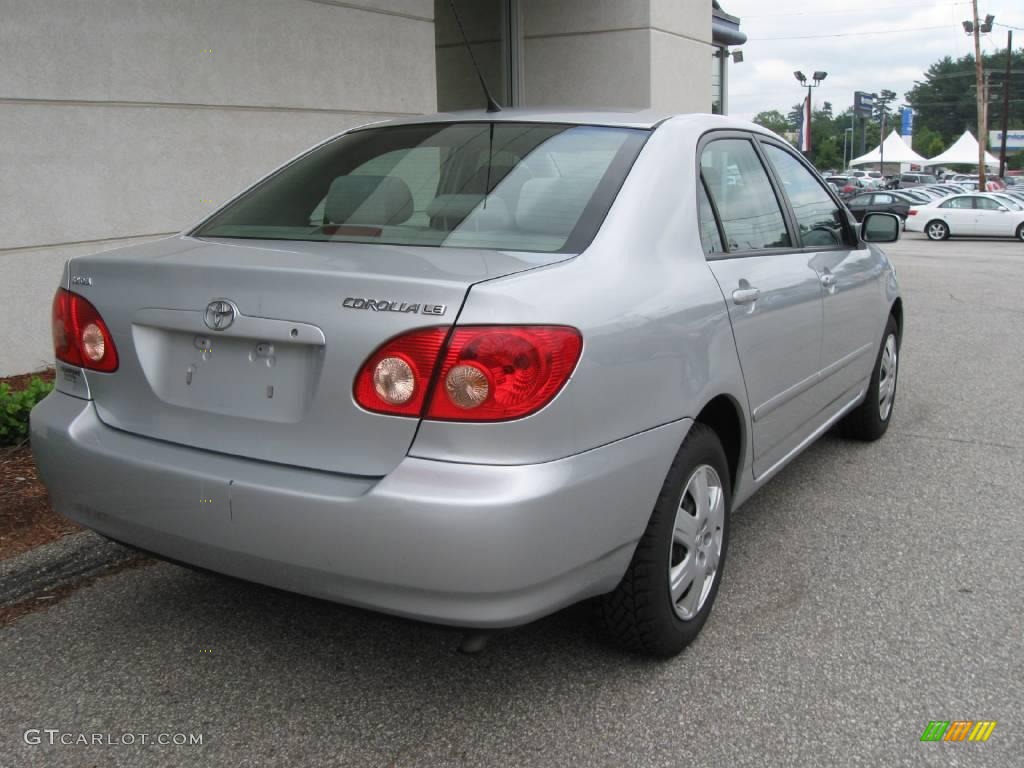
(453, 206)
(552, 206)
(368, 200)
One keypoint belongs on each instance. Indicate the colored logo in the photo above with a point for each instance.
(958, 730)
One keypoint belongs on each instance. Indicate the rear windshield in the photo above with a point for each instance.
(506, 186)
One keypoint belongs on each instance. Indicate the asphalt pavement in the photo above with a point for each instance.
(870, 589)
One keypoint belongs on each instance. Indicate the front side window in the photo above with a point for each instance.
(818, 217)
(861, 200)
(507, 186)
(747, 207)
(986, 204)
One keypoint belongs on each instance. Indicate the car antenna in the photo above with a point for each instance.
(492, 105)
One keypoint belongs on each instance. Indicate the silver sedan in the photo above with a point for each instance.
(474, 368)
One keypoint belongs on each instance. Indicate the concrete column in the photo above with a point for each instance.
(618, 53)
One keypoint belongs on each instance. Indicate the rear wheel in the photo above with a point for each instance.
(870, 419)
(1020, 232)
(666, 595)
(937, 230)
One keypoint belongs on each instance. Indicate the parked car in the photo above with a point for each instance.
(884, 202)
(908, 180)
(848, 185)
(472, 368)
(966, 215)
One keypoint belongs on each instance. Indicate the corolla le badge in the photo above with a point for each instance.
(387, 305)
(220, 314)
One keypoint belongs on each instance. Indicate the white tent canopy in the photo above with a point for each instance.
(963, 152)
(896, 151)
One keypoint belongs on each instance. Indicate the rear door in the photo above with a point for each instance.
(848, 271)
(958, 213)
(771, 288)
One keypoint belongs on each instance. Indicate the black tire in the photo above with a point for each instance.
(1020, 232)
(640, 614)
(941, 229)
(867, 422)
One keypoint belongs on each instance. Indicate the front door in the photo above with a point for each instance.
(773, 294)
(849, 275)
(991, 218)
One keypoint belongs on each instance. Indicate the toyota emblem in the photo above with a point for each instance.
(220, 314)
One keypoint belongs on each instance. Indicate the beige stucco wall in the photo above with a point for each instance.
(131, 118)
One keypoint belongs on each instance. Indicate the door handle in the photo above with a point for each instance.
(746, 295)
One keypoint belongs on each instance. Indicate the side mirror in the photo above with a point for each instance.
(880, 228)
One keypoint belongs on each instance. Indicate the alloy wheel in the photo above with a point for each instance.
(887, 377)
(696, 542)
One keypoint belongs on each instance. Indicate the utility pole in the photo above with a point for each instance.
(1006, 104)
(980, 78)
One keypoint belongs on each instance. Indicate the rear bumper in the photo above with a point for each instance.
(461, 544)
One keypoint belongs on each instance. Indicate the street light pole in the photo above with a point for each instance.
(801, 78)
(882, 102)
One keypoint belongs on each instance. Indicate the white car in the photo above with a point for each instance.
(968, 214)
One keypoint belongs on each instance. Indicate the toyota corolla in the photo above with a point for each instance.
(475, 368)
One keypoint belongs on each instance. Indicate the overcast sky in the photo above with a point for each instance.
(861, 59)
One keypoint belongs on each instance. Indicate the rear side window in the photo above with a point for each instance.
(709, 236)
(746, 202)
(502, 185)
(818, 217)
(958, 202)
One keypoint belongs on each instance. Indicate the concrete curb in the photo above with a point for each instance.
(68, 560)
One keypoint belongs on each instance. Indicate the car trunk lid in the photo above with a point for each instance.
(292, 323)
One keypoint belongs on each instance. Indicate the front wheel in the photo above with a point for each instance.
(937, 230)
(870, 420)
(1020, 232)
(666, 595)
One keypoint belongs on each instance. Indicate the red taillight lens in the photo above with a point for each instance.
(396, 376)
(489, 373)
(494, 373)
(80, 337)
(912, 212)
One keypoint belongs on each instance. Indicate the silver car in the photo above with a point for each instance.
(473, 368)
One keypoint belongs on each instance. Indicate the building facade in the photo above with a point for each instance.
(127, 120)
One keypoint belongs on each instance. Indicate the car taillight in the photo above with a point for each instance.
(494, 373)
(912, 212)
(395, 378)
(80, 337)
(487, 373)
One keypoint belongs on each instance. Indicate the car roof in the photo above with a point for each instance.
(647, 119)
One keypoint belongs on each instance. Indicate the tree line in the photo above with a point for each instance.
(944, 106)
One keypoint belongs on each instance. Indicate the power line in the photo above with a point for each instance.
(862, 9)
(851, 34)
